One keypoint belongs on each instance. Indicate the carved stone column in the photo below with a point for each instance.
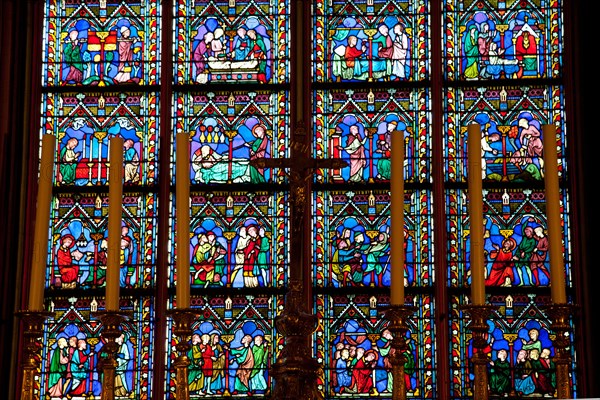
(479, 328)
(295, 371)
(398, 315)
(33, 329)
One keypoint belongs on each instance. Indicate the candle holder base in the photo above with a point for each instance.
(398, 315)
(33, 329)
(111, 322)
(479, 328)
(560, 326)
(183, 319)
(294, 372)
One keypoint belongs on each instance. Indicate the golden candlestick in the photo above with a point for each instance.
(183, 319)
(296, 373)
(398, 314)
(33, 330)
(479, 314)
(560, 326)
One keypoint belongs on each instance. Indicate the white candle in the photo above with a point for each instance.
(42, 221)
(182, 200)
(115, 210)
(476, 214)
(555, 247)
(397, 215)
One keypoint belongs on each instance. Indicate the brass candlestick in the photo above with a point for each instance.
(295, 372)
(560, 326)
(111, 321)
(479, 315)
(398, 315)
(33, 329)
(183, 319)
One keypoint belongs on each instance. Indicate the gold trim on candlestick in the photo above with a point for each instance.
(295, 372)
(111, 330)
(398, 314)
(559, 313)
(182, 328)
(479, 314)
(33, 329)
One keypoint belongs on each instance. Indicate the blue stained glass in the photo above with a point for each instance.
(511, 120)
(509, 40)
(357, 126)
(370, 41)
(73, 349)
(101, 43)
(234, 42)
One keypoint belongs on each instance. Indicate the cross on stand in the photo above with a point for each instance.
(299, 172)
(295, 371)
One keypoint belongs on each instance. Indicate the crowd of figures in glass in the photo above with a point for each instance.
(74, 351)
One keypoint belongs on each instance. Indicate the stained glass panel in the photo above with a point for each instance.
(236, 42)
(83, 125)
(228, 129)
(515, 243)
(356, 125)
(353, 342)
(352, 239)
(238, 240)
(370, 40)
(99, 43)
(73, 350)
(519, 347)
(77, 257)
(234, 345)
(511, 120)
(513, 39)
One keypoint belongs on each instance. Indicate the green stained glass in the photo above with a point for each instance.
(516, 238)
(356, 126)
(508, 40)
(233, 42)
(79, 242)
(370, 41)
(73, 351)
(229, 130)
(101, 43)
(83, 124)
(511, 120)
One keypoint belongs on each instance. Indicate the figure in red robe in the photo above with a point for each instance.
(64, 260)
(502, 273)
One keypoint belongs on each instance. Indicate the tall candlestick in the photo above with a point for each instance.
(182, 196)
(557, 274)
(397, 225)
(42, 220)
(115, 212)
(476, 215)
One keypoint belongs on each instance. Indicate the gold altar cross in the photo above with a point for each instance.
(299, 171)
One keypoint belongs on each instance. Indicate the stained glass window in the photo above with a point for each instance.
(227, 79)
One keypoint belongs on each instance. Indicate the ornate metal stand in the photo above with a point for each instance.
(479, 315)
(33, 328)
(183, 319)
(560, 326)
(111, 321)
(397, 315)
(295, 372)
